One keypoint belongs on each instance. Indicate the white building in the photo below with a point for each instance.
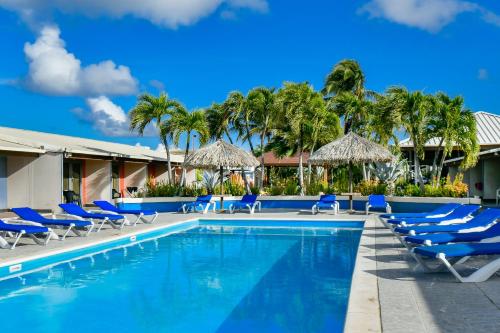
(36, 168)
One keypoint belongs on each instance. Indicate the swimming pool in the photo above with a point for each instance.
(216, 276)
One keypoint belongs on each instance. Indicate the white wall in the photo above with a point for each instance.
(136, 174)
(34, 181)
(97, 181)
(491, 177)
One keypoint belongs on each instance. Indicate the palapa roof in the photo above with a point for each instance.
(351, 148)
(220, 154)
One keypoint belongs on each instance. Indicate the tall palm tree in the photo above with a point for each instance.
(150, 109)
(262, 103)
(299, 104)
(384, 121)
(237, 104)
(346, 83)
(455, 126)
(184, 122)
(219, 120)
(414, 109)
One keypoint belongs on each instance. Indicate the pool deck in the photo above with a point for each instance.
(387, 294)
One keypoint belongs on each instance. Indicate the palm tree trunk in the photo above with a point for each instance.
(262, 169)
(418, 173)
(183, 181)
(249, 139)
(169, 164)
(440, 168)
(434, 162)
(228, 137)
(301, 168)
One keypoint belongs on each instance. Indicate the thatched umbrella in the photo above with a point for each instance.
(350, 149)
(220, 155)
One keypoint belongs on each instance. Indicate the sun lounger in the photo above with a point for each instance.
(326, 201)
(78, 212)
(248, 201)
(69, 225)
(17, 230)
(377, 201)
(440, 211)
(109, 208)
(459, 215)
(453, 254)
(203, 202)
(478, 223)
(490, 234)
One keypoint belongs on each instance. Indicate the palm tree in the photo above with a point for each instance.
(346, 83)
(384, 121)
(241, 120)
(151, 109)
(262, 103)
(299, 104)
(455, 126)
(219, 119)
(413, 109)
(184, 122)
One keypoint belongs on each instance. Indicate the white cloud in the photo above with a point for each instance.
(429, 15)
(105, 116)
(482, 74)
(53, 70)
(167, 13)
(157, 84)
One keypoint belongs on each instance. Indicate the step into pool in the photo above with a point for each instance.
(215, 276)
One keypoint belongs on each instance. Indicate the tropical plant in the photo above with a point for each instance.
(263, 107)
(151, 109)
(210, 180)
(454, 126)
(236, 103)
(219, 120)
(413, 109)
(184, 122)
(389, 173)
(344, 90)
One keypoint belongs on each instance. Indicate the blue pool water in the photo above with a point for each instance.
(210, 278)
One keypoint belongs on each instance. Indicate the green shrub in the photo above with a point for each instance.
(276, 190)
(160, 189)
(315, 188)
(235, 189)
(291, 188)
(255, 190)
(193, 191)
(412, 190)
(367, 187)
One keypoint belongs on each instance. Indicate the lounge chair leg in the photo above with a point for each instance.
(102, 224)
(90, 228)
(19, 235)
(71, 226)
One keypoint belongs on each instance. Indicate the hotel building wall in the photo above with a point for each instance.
(97, 181)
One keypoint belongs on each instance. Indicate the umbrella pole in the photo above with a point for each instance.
(221, 170)
(350, 186)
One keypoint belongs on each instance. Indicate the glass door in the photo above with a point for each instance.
(72, 179)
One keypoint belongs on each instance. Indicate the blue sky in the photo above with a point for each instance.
(76, 67)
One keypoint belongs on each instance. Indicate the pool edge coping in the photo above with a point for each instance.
(363, 311)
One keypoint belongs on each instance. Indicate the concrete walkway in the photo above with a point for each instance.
(413, 301)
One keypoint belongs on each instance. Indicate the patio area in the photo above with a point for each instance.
(387, 295)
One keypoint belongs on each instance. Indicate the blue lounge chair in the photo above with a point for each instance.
(326, 201)
(203, 202)
(70, 225)
(248, 201)
(377, 201)
(109, 208)
(478, 223)
(459, 215)
(454, 254)
(440, 211)
(17, 230)
(489, 234)
(78, 212)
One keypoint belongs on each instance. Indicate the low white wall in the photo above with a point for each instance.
(475, 201)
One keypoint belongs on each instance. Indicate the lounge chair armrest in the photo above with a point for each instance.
(102, 211)
(21, 222)
(64, 216)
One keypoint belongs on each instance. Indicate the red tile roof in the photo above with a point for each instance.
(293, 161)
